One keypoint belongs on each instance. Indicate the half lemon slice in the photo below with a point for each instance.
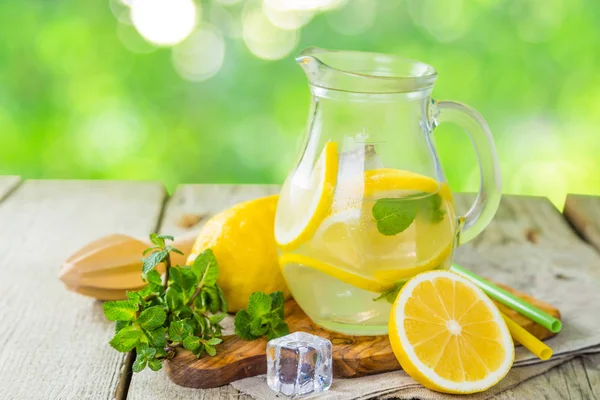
(309, 198)
(448, 335)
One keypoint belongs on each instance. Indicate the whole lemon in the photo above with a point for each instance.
(242, 239)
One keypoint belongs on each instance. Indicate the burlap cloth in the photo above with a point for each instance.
(568, 278)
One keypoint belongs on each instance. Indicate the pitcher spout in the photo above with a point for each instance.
(361, 72)
(313, 67)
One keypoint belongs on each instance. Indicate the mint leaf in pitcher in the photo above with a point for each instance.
(432, 208)
(394, 215)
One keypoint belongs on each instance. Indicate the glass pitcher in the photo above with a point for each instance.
(367, 205)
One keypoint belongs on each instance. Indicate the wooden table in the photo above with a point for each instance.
(54, 343)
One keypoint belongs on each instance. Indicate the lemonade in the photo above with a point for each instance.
(347, 243)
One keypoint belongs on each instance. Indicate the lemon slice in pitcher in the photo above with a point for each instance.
(350, 238)
(349, 277)
(309, 197)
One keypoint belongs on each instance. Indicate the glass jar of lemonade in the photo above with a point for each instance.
(367, 206)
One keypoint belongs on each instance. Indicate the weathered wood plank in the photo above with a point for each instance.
(7, 184)
(577, 379)
(55, 342)
(583, 212)
(188, 202)
(591, 363)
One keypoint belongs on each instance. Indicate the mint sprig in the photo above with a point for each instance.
(395, 215)
(391, 294)
(183, 310)
(262, 317)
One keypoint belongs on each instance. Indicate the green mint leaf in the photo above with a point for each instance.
(214, 341)
(149, 353)
(210, 350)
(149, 250)
(206, 268)
(202, 323)
(223, 299)
(121, 324)
(279, 330)
(145, 291)
(179, 330)
(201, 301)
(126, 339)
(394, 215)
(242, 325)
(264, 316)
(152, 317)
(174, 250)
(154, 364)
(432, 207)
(183, 277)
(258, 327)
(259, 304)
(120, 310)
(154, 277)
(216, 319)
(151, 261)
(139, 364)
(134, 296)
(174, 298)
(161, 353)
(277, 301)
(145, 352)
(391, 294)
(213, 302)
(156, 337)
(159, 240)
(188, 278)
(191, 342)
(175, 275)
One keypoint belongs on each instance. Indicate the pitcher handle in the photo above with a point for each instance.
(483, 209)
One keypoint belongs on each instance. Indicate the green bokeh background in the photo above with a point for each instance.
(83, 96)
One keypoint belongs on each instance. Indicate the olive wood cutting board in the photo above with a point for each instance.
(353, 356)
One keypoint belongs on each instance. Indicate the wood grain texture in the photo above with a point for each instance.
(353, 356)
(55, 342)
(583, 212)
(577, 379)
(187, 204)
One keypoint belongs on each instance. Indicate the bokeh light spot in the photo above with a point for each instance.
(164, 22)
(227, 20)
(287, 19)
(110, 138)
(120, 10)
(355, 18)
(304, 5)
(201, 55)
(264, 39)
(445, 20)
(132, 40)
(537, 20)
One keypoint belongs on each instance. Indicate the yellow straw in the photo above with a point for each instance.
(529, 341)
